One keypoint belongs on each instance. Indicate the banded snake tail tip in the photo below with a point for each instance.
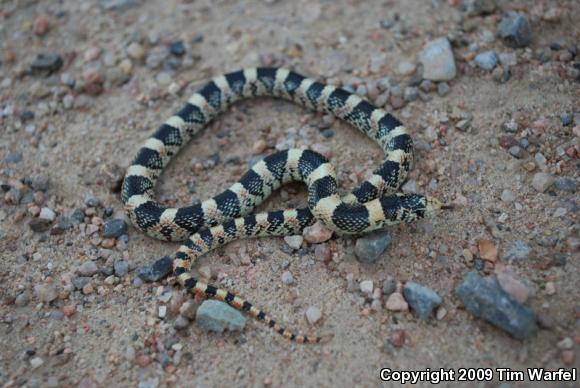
(373, 204)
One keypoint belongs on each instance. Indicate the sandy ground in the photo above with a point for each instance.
(114, 335)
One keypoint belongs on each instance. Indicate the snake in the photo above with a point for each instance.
(374, 204)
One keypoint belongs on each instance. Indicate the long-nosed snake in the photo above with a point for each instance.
(226, 217)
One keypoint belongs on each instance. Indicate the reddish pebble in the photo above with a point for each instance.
(322, 253)
(69, 310)
(397, 338)
(41, 25)
(487, 250)
(572, 152)
(317, 233)
(88, 289)
(143, 361)
(108, 243)
(567, 357)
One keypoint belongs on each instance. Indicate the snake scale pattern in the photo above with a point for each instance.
(374, 204)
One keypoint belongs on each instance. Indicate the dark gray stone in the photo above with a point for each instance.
(484, 298)
(565, 184)
(422, 300)
(121, 268)
(369, 247)
(39, 225)
(46, 63)
(157, 271)
(218, 316)
(14, 157)
(514, 29)
(114, 228)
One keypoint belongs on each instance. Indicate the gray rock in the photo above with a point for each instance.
(91, 200)
(518, 250)
(88, 268)
(484, 298)
(389, 286)
(514, 29)
(114, 228)
(38, 225)
(422, 300)
(443, 89)
(80, 282)
(181, 323)
(117, 4)
(14, 157)
(411, 93)
(217, 316)
(542, 181)
(77, 216)
(438, 61)
(516, 151)
(565, 184)
(46, 63)
(369, 247)
(478, 7)
(22, 299)
(287, 278)
(121, 268)
(486, 60)
(158, 270)
(46, 292)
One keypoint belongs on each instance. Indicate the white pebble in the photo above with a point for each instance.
(46, 214)
(313, 315)
(36, 362)
(162, 311)
(366, 287)
(287, 278)
(294, 242)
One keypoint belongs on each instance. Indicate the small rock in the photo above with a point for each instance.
(45, 292)
(177, 48)
(565, 344)
(443, 89)
(47, 214)
(369, 247)
(509, 282)
(162, 312)
(422, 300)
(204, 272)
(181, 323)
(46, 63)
(397, 338)
(218, 316)
(136, 51)
(158, 270)
(406, 68)
(565, 184)
(508, 196)
(517, 251)
(114, 228)
(22, 299)
(294, 242)
(438, 61)
(567, 357)
(516, 152)
(323, 253)
(88, 268)
(542, 181)
(317, 233)
(35, 362)
(366, 287)
(389, 286)
(486, 60)
(91, 201)
(313, 315)
(41, 25)
(478, 7)
(514, 29)
(69, 310)
(39, 225)
(121, 268)
(487, 250)
(559, 260)
(410, 187)
(396, 302)
(189, 309)
(484, 298)
(287, 278)
(117, 4)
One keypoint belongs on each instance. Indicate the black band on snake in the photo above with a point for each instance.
(374, 204)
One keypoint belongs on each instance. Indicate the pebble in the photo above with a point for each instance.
(162, 312)
(136, 51)
(389, 286)
(565, 184)
(411, 93)
(486, 60)
(406, 68)
(68, 101)
(313, 315)
(542, 181)
(369, 247)
(294, 242)
(41, 25)
(516, 151)
(501, 74)
(177, 48)
(484, 298)
(39, 225)
(22, 299)
(396, 302)
(46, 62)
(114, 228)
(443, 89)
(518, 250)
(189, 309)
(487, 250)
(478, 7)
(397, 338)
(422, 300)
(366, 287)
(287, 278)
(88, 268)
(438, 61)
(47, 214)
(14, 157)
(45, 292)
(121, 268)
(218, 316)
(509, 282)
(508, 196)
(323, 253)
(181, 323)
(36, 362)
(91, 200)
(317, 233)
(514, 29)
(158, 270)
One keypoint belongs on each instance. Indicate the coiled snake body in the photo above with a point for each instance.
(374, 204)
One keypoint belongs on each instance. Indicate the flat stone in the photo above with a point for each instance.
(46, 63)
(39, 225)
(396, 302)
(218, 316)
(422, 300)
(369, 247)
(88, 268)
(287, 278)
(294, 242)
(45, 292)
(121, 268)
(478, 7)
(47, 214)
(157, 271)
(484, 298)
(514, 29)
(486, 60)
(438, 60)
(542, 181)
(114, 228)
(565, 184)
(366, 287)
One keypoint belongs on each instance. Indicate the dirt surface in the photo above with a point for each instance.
(81, 136)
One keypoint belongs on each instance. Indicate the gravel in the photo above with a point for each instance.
(422, 300)
(438, 60)
(294, 242)
(514, 29)
(218, 316)
(484, 298)
(114, 228)
(369, 247)
(121, 268)
(486, 60)
(47, 214)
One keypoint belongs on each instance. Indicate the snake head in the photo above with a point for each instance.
(432, 204)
